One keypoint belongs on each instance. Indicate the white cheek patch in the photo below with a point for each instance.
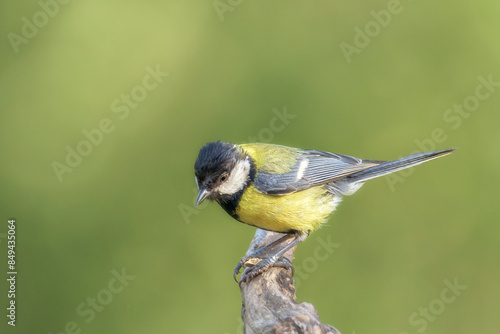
(237, 179)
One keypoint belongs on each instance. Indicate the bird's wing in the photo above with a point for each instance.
(311, 168)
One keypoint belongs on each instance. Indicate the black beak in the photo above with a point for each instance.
(204, 193)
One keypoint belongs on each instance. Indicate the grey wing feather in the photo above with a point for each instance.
(312, 168)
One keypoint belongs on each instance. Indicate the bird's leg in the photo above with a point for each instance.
(261, 254)
(274, 258)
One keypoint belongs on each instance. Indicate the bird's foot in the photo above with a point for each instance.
(256, 266)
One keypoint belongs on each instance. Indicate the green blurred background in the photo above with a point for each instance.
(233, 66)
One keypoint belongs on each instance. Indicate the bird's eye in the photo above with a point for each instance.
(223, 177)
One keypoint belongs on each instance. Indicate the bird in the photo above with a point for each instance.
(283, 189)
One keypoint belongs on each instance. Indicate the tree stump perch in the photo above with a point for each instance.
(269, 302)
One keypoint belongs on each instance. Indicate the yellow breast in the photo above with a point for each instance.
(302, 211)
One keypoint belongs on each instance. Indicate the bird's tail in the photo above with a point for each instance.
(394, 166)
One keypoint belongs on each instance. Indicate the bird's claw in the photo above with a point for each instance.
(247, 261)
(237, 269)
(255, 268)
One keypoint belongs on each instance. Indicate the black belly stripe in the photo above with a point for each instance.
(230, 203)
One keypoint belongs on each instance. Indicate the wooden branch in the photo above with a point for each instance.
(269, 301)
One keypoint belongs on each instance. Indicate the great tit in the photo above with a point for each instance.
(284, 189)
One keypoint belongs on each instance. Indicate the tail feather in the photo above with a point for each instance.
(394, 166)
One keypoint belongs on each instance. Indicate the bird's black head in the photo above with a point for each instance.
(221, 169)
